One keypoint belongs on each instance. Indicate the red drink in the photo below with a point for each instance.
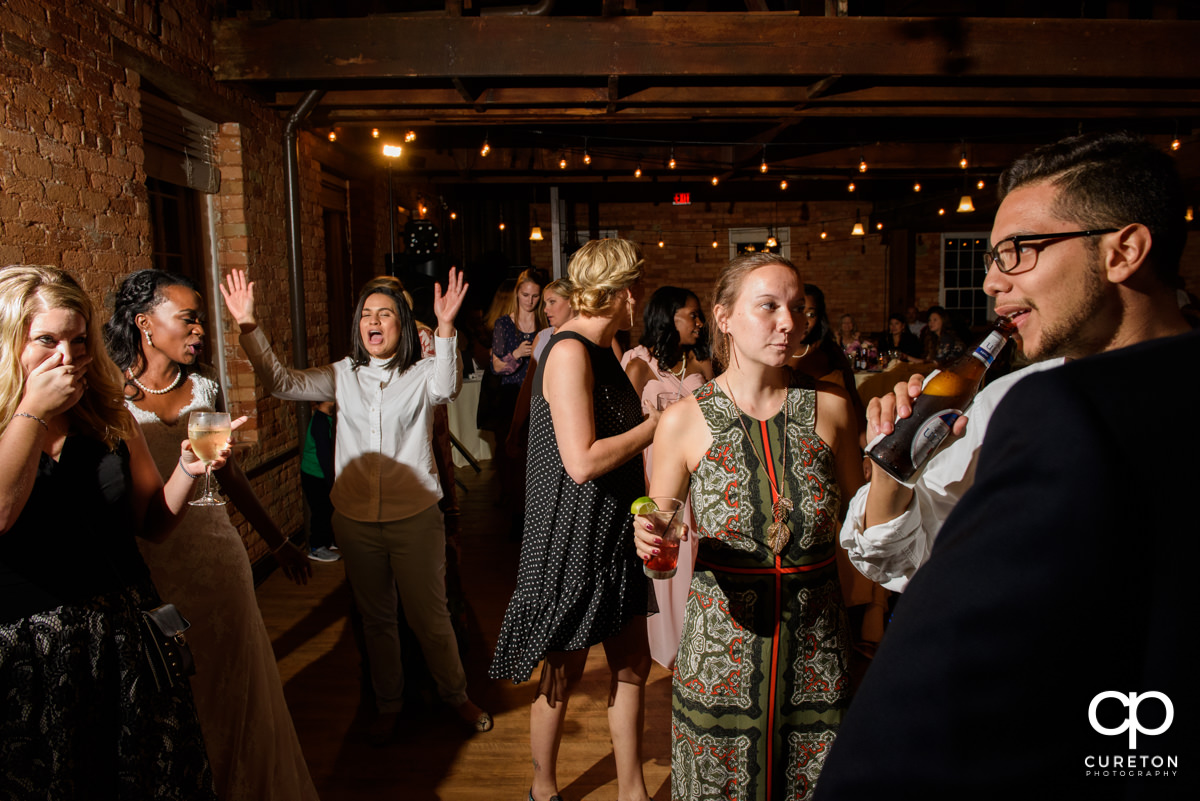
(668, 525)
(664, 565)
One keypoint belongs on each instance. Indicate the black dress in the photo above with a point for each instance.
(580, 580)
(80, 716)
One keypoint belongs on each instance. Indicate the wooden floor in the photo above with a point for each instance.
(434, 758)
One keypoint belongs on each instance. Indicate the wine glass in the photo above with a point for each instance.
(208, 433)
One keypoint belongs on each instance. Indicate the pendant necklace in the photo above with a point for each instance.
(164, 390)
(778, 533)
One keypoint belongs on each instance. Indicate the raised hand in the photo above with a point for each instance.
(239, 298)
(446, 306)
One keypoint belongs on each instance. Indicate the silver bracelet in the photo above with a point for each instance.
(33, 417)
(185, 470)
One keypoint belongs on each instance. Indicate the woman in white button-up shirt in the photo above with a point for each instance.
(385, 489)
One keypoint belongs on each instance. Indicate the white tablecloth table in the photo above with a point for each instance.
(462, 423)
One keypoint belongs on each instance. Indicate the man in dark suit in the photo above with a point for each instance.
(1042, 646)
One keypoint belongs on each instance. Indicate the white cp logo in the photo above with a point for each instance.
(1131, 723)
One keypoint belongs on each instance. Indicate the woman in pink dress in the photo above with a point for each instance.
(672, 360)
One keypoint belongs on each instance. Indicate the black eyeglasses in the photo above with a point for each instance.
(1006, 255)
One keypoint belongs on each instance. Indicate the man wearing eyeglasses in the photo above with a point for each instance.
(1055, 219)
(1047, 618)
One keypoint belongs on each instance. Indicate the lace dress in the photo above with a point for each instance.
(202, 568)
(761, 681)
(80, 715)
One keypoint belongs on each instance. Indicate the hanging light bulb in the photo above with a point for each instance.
(862, 164)
(917, 187)
(941, 212)
(851, 187)
(715, 180)
(587, 157)
(502, 225)
(671, 163)
(662, 244)
(965, 205)
(410, 135)
(535, 234)
(716, 244)
(824, 235)
(374, 133)
(638, 172)
(487, 148)
(783, 184)
(454, 215)
(772, 242)
(763, 167)
(1176, 144)
(562, 162)
(878, 226)
(857, 230)
(962, 161)
(333, 136)
(1187, 215)
(979, 184)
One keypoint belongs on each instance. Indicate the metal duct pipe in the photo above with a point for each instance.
(291, 178)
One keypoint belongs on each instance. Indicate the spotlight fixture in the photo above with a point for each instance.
(333, 136)
(783, 184)
(917, 187)
(487, 148)
(392, 151)
(374, 133)
(965, 205)
(410, 135)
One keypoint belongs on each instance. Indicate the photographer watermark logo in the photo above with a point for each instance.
(1131, 724)
(1131, 764)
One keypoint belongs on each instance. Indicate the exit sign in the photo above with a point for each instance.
(682, 199)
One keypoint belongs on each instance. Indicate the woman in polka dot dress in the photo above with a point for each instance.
(580, 581)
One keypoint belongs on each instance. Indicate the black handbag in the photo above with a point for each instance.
(166, 647)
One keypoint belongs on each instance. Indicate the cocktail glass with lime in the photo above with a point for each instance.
(664, 513)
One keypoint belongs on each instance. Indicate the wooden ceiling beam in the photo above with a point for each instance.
(703, 44)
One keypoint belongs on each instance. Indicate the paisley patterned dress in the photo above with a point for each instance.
(761, 681)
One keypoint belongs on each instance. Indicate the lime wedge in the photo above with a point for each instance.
(643, 506)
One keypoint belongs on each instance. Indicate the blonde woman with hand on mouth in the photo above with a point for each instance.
(385, 490)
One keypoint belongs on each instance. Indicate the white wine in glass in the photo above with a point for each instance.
(208, 432)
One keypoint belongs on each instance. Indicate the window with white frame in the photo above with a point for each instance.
(962, 278)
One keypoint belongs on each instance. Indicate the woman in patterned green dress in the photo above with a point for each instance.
(761, 679)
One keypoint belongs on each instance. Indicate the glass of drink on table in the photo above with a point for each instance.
(665, 399)
(668, 525)
(208, 432)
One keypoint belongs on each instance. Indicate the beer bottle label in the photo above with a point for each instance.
(987, 350)
(930, 435)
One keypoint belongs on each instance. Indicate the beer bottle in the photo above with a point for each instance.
(940, 403)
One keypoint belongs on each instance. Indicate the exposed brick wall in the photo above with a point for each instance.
(73, 191)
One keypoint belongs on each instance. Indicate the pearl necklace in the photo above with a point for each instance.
(682, 368)
(164, 390)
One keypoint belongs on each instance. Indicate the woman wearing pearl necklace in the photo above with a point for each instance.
(156, 337)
